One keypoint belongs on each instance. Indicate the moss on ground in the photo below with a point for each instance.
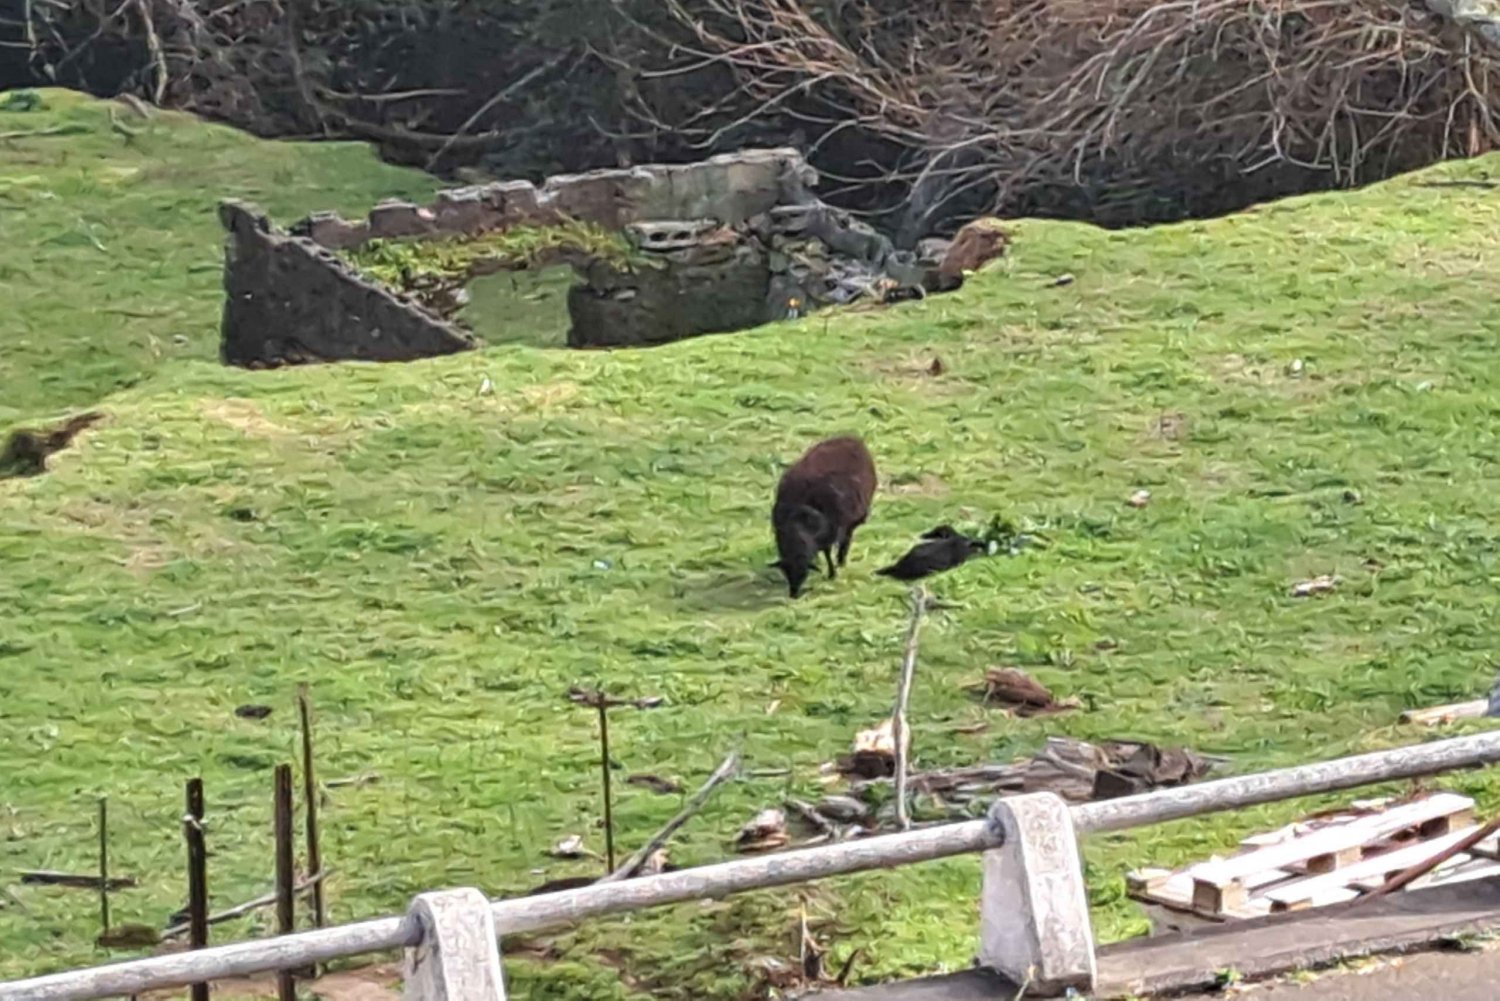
(441, 564)
(434, 270)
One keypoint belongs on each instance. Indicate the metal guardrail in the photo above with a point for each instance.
(527, 914)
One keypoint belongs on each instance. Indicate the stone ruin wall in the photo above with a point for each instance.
(738, 240)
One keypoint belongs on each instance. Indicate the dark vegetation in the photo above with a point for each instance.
(1121, 112)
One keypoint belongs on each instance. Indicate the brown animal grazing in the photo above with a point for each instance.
(820, 501)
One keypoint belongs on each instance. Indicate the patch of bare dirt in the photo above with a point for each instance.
(245, 416)
(380, 982)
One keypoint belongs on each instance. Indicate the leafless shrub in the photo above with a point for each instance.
(1024, 104)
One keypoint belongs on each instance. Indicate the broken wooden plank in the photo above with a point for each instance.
(1316, 891)
(73, 880)
(1461, 873)
(1177, 893)
(1220, 885)
(1433, 715)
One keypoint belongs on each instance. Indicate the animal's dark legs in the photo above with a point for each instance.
(828, 555)
(847, 538)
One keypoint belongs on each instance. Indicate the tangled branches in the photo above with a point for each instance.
(420, 77)
(1118, 111)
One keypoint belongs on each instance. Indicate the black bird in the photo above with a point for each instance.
(942, 551)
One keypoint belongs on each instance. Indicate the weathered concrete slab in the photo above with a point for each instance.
(1191, 959)
(1439, 975)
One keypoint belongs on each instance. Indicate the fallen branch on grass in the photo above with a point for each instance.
(75, 881)
(899, 731)
(240, 910)
(633, 864)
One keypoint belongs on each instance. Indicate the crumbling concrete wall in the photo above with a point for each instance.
(731, 189)
(289, 301)
(732, 242)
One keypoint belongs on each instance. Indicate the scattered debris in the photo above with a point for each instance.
(765, 832)
(571, 847)
(1295, 367)
(1019, 694)
(27, 449)
(362, 779)
(1331, 858)
(178, 924)
(874, 752)
(128, 937)
(1002, 534)
(1467, 842)
(1353, 497)
(810, 813)
(936, 368)
(657, 784)
(1171, 426)
(656, 863)
(1474, 709)
(75, 881)
(636, 862)
(1062, 279)
(843, 809)
(1149, 767)
(1063, 766)
(486, 387)
(1140, 498)
(1317, 585)
(252, 711)
(1435, 715)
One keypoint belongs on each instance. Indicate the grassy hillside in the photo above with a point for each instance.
(440, 565)
(110, 246)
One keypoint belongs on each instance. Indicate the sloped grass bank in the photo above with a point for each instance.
(1309, 388)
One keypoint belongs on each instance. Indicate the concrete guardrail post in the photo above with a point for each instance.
(1034, 924)
(458, 958)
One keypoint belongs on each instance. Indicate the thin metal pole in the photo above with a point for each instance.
(310, 795)
(104, 864)
(197, 859)
(609, 807)
(1287, 783)
(286, 915)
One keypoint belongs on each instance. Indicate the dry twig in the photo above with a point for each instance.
(900, 730)
(633, 864)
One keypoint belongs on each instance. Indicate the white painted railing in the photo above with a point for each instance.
(1029, 844)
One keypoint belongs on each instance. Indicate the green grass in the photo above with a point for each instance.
(442, 565)
(112, 248)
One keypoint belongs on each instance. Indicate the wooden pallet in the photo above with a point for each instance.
(1326, 860)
